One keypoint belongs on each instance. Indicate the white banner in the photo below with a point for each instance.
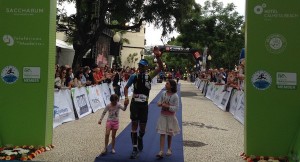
(63, 107)
(81, 102)
(234, 101)
(154, 80)
(122, 90)
(201, 85)
(196, 82)
(111, 88)
(210, 88)
(104, 89)
(95, 97)
(224, 101)
(205, 87)
(217, 94)
(239, 113)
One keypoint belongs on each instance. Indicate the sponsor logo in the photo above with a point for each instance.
(22, 40)
(8, 40)
(31, 74)
(286, 80)
(10, 74)
(275, 43)
(24, 11)
(261, 80)
(269, 13)
(59, 111)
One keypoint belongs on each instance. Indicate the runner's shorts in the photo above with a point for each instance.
(139, 111)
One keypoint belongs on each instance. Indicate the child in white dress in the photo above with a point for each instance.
(112, 123)
(167, 123)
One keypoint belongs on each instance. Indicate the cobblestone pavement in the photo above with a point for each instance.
(209, 134)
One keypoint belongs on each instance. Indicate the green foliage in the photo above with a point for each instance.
(178, 61)
(150, 60)
(218, 27)
(94, 16)
(132, 58)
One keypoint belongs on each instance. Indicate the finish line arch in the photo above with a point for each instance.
(197, 54)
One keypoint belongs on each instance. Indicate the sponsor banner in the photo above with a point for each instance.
(201, 85)
(205, 87)
(81, 102)
(272, 96)
(104, 89)
(63, 107)
(111, 88)
(217, 93)
(234, 101)
(27, 50)
(197, 82)
(210, 89)
(226, 93)
(154, 80)
(122, 85)
(239, 113)
(95, 97)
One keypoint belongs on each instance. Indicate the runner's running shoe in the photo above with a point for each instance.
(134, 154)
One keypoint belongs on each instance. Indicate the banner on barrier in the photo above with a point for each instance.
(218, 95)
(239, 113)
(122, 85)
(85, 99)
(233, 101)
(201, 85)
(210, 88)
(221, 97)
(225, 94)
(81, 102)
(105, 93)
(63, 108)
(95, 97)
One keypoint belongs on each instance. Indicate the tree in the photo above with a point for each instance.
(217, 27)
(132, 59)
(94, 16)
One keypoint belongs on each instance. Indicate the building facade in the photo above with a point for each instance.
(133, 51)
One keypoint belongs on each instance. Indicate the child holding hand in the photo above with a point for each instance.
(112, 123)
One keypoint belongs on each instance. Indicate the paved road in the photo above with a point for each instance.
(209, 134)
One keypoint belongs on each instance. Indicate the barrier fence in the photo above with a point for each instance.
(76, 103)
(225, 98)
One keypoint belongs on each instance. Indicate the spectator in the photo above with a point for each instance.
(77, 79)
(87, 74)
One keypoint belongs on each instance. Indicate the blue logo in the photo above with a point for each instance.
(261, 80)
(10, 74)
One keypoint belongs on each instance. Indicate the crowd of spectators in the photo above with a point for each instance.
(66, 78)
(230, 78)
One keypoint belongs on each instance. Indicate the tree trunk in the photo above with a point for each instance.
(76, 60)
(80, 51)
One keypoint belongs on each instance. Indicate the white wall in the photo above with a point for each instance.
(136, 44)
(65, 57)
